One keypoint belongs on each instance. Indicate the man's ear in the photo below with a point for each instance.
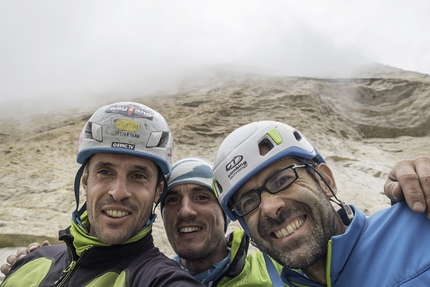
(326, 172)
(84, 181)
(159, 191)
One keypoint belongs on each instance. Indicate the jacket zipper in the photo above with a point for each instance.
(67, 273)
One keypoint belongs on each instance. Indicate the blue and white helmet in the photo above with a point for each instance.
(192, 170)
(239, 157)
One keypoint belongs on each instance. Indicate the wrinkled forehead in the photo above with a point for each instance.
(122, 160)
(188, 189)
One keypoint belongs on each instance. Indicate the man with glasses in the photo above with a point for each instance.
(279, 187)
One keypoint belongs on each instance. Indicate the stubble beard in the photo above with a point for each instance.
(107, 235)
(302, 252)
(206, 250)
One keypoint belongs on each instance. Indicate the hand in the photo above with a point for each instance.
(21, 252)
(410, 180)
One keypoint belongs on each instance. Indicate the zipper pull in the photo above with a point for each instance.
(65, 272)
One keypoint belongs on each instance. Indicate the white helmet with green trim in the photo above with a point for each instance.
(240, 156)
(128, 128)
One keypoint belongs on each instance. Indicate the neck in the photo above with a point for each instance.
(199, 265)
(317, 271)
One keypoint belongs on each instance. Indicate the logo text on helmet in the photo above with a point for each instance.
(127, 134)
(127, 125)
(235, 165)
(123, 145)
(130, 111)
(235, 161)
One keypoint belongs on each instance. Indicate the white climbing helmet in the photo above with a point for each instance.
(128, 128)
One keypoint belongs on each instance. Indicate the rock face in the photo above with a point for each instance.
(362, 125)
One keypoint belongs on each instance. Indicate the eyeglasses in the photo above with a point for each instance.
(280, 181)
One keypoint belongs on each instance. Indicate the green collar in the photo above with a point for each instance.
(83, 240)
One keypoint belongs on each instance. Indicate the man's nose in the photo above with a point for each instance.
(119, 190)
(187, 209)
(271, 204)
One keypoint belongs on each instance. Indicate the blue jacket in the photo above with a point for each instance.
(389, 248)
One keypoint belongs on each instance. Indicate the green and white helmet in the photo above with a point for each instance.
(128, 128)
(239, 157)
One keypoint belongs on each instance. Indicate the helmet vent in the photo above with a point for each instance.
(165, 136)
(218, 187)
(158, 139)
(265, 146)
(96, 132)
(297, 136)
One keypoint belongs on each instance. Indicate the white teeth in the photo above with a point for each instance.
(189, 229)
(289, 229)
(116, 213)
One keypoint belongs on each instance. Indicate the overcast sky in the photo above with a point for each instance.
(69, 47)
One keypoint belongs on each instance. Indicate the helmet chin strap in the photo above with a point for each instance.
(78, 183)
(76, 214)
(348, 211)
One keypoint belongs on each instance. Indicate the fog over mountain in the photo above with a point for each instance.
(362, 123)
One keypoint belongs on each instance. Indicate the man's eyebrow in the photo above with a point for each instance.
(109, 164)
(171, 191)
(103, 164)
(197, 188)
(142, 167)
(238, 195)
(201, 188)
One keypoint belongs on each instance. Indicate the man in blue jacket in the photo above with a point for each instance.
(279, 187)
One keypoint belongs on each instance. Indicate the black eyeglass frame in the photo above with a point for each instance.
(235, 207)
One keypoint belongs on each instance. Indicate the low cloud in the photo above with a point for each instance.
(52, 48)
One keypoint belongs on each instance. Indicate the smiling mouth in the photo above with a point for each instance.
(289, 229)
(189, 229)
(116, 213)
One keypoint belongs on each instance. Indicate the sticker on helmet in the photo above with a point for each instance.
(123, 145)
(127, 125)
(127, 134)
(130, 111)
